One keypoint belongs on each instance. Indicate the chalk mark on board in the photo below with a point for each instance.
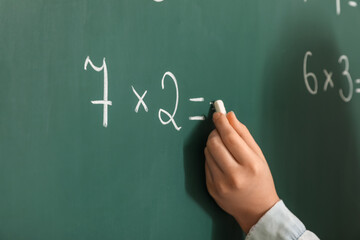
(200, 99)
(346, 73)
(105, 101)
(328, 80)
(309, 75)
(338, 7)
(352, 4)
(171, 116)
(141, 100)
(338, 4)
(197, 118)
(357, 81)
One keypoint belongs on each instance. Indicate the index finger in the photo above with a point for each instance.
(231, 139)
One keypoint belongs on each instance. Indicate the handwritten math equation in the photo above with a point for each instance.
(339, 3)
(312, 83)
(164, 116)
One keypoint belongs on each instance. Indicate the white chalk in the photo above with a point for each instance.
(219, 106)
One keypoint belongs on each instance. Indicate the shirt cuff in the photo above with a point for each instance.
(278, 223)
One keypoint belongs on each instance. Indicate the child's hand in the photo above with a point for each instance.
(237, 174)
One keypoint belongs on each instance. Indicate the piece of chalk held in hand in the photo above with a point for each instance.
(219, 106)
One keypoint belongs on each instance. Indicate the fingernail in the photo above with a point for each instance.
(216, 115)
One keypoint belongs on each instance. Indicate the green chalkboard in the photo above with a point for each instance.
(78, 160)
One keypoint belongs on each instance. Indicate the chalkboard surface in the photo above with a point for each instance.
(105, 113)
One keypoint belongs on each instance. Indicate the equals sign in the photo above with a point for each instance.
(197, 118)
(352, 4)
(357, 90)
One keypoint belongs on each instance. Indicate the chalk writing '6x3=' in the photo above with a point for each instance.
(311, 80)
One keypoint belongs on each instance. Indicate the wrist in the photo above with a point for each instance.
(247, 222)
(248, 219)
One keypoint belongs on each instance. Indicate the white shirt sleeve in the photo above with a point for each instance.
(280, 224)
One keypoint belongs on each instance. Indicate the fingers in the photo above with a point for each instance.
(244, 133)
(214, 168)
(209, 178)
(219, 153)
(232, 140)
